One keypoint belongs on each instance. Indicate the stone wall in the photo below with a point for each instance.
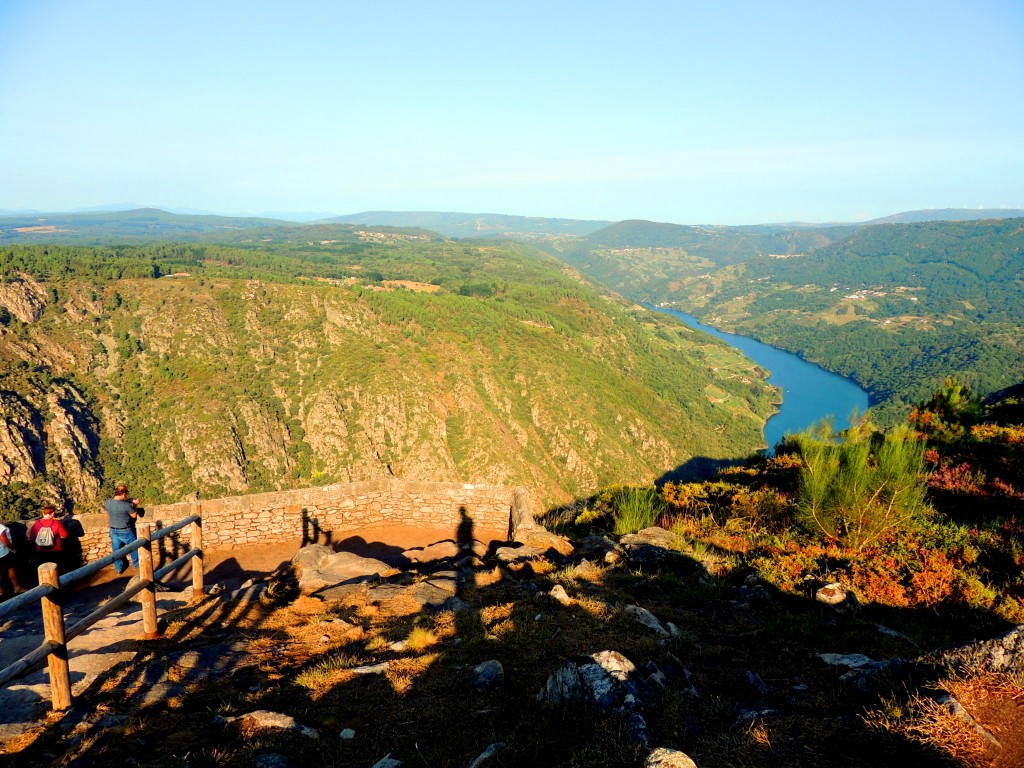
(326, 515)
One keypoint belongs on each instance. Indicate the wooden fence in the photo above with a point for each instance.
(52, 588)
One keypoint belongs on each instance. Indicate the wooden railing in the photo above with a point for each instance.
(52, 587)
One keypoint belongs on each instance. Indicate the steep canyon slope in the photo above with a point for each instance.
(215, 370)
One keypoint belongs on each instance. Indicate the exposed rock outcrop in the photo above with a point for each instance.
(25, 298)
(49, 436)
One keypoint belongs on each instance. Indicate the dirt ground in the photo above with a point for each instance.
(232, 567)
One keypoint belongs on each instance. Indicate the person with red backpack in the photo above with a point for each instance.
(47, 536)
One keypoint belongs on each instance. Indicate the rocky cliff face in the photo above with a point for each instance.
(25, 298)
(49, 440)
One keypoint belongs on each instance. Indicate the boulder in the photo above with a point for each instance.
(652, 537)
(440, 550)
(522, 553)
(263, 718)
(1000, 654)
(523, 528)
(663, 757)
(838, 596)
(489, 675)
(607, 680)
(319, 566)
(559, 595)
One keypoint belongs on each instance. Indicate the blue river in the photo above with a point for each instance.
(809, 392)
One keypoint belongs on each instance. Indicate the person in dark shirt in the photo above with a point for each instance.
(122, 514)
(54, 553)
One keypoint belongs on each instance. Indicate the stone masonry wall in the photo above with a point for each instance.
(326, 515)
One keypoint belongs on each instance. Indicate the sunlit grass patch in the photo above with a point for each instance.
(402, 673)
(420, 638)
(325, 672)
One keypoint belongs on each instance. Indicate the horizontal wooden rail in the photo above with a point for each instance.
(170, 567)
(54, 647)
(24, 598)
(176, 527)
(28, 661)
(77, 575)
(111, 605)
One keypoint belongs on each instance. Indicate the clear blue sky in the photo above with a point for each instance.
(689, 112)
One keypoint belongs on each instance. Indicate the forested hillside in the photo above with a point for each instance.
(896, 307)
(332, 354)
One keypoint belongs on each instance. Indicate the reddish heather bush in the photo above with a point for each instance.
(963, 478)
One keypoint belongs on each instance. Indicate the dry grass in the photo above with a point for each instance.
(424, 709)
(994, 701)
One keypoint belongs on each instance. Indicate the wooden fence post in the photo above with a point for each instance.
(53, 629)
(150, 629)
(197, 561)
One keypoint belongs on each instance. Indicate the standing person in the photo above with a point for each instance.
(47, 536)
(122, 513)
(8, 561)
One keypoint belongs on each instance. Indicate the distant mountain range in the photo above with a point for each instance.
(474, 224)
(148, 224)
(950, 214)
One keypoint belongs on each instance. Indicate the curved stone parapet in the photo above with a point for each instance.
(332, 513)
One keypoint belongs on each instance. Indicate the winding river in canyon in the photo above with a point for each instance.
(809, 392)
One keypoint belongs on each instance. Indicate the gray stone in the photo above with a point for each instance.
(851, 660)
(610, 681)
(525, 530)
(434, 592)
(440, 550)
(663, 757)
(519, 554)
(456, 604)
(342, 591)
(347, 735)
(652, 537)
(1001, 654)
(270, 760)
(311, 556)
(340, 567)
(563, 686)
(371, 669)
(263, 718)
(757, 683)
(559, 595)
(646, 553)
(387, 762)
(957, 710)
(646, 618)
(748, 716)
(636, 729)
(489, 675)
(655, 676)
(863, 671)
(487, 754)
(837, 596)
